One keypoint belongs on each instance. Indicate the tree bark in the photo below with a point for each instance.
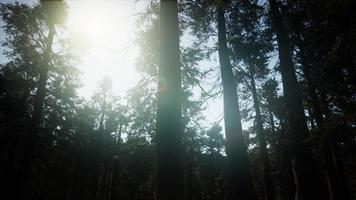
(267, 177)
(306, 177)
(239, 175)
(169, 150)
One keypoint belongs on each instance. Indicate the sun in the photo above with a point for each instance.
(108, 30)
(97, 20)
(94, 28)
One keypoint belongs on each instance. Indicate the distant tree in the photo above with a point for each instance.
(214, 141)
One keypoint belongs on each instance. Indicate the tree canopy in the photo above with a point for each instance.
(283, 71)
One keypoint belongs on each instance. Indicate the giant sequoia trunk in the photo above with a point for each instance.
(305, 174)
(169, 152)
(239, 176)
(31, 136)
(267, 177)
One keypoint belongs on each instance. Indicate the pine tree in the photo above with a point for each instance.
(305, 174)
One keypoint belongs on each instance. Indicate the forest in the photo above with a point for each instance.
(284, 72)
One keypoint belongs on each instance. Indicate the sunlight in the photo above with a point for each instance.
(108, 30)
(94, 28)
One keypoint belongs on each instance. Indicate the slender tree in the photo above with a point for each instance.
(239, 176)
(31, 136)
(169, 165)
(305, 173)
(262, 145)
(303, 37)
(251, 45)
(51, 12)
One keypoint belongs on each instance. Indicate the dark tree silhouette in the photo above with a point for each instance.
(157, 141)
(305, 174)
(169, 163)
(239, 178)
(31, 136)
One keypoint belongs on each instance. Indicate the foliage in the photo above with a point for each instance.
(104, 147)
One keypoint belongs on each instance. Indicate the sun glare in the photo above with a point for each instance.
(108, 30)
(93, 28)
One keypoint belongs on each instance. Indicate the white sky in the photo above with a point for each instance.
(108, 29)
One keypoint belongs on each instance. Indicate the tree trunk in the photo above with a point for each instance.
(169, 152)
(115, 183)
(306, 177)
(287, 187)
(239, 176)
(116, 169)
(316, 111)
(337, 187)
(31, 136)
(267, 177)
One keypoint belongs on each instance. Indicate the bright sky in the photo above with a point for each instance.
(108, 29)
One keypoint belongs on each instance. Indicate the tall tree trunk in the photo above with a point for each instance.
(286, 184)
(78, 173)
(316, 111)
(41, 90)
(31, 136)
(239, 176)
(338, 186)
(190, 173)
(116, 170)
(337, 182)
(267, 177)
(169, 152)
(306, 176)
(343, 186)
(115, 183)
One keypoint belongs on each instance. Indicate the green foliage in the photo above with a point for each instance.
(104, 147)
